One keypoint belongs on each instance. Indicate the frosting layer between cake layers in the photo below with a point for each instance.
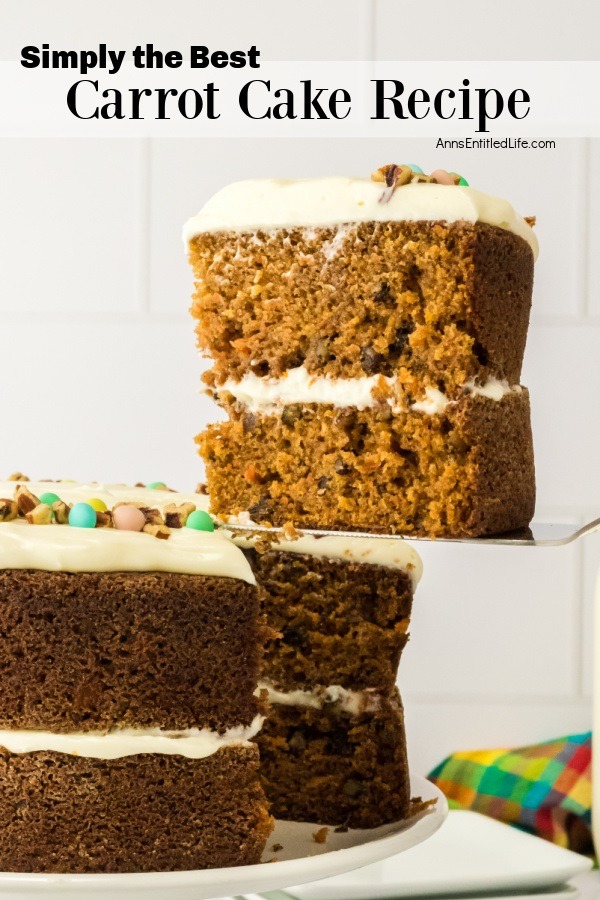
(271, 203)
(352, 702)
(194, 743)
(271, 395)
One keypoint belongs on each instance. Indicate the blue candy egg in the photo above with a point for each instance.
(416, 169)
(82, 515)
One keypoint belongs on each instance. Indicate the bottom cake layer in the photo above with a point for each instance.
(330, 766)
(143, 813)
(467, 470)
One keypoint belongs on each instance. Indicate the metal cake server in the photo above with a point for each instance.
(539, 534)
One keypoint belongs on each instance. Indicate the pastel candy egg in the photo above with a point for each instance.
(200, 521)
(49, 498)
(463, 182)
(440, 176)
(98, 504)
(157, 486)
(128, 518)
(82, 515)
(416, 169)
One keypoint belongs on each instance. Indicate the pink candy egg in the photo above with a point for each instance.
(128, 518)
(440, 176)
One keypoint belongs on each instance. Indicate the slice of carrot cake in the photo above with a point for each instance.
(367, 338)
(333, 747)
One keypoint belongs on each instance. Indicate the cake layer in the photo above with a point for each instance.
(327, 765)
(465, 471)
(433, 303)
(93, 651)
(333, 622)
(144, 813)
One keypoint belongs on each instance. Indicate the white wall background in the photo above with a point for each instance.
(99, 375)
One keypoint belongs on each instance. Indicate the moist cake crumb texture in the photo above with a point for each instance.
(369, 369)
(333, 746)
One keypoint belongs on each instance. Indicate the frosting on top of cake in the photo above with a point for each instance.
(269, 203)
(62, 548)
(374, 551)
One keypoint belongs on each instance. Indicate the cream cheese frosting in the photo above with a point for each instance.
(393, 554)
(194, 743)
(297, 385)
(353, 702)
(269, 203)
(62, 548)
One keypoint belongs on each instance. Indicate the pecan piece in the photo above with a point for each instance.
(152, 516)
(26, 501)
(61, 512)
(17, 476)
(8, 510)
(39, 515)
(176, 514)
(159, 531)
(104, 519)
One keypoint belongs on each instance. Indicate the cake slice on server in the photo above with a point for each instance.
(130, 642)
(333, 747)
(367, 338)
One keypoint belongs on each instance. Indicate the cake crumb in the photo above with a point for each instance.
(320, 836)
(341, 829)
(276, 848)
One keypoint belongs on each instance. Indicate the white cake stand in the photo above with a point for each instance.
(299, 861)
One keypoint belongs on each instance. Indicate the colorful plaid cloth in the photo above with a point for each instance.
(545, 789)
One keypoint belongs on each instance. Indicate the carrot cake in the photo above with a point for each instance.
(367, 338)
(333, 747)
(131, 637)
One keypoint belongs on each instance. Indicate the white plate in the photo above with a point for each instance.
(470, 854)
(299, 861)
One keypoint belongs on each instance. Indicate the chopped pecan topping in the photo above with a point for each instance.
(61, 512)
(26, 501)
(39, 515)
(152, 516)
(8, 510)
(176, 514)
(159, 531)
(104, 519)
(17, 476)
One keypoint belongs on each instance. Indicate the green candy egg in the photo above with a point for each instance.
(157, 486)
(82, 515)
(463, 181)
(200, 521)
(49, 498)
(416, 169)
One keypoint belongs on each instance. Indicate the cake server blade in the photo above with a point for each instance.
(539, 534)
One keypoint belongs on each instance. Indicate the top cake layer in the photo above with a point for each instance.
(269, 203)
